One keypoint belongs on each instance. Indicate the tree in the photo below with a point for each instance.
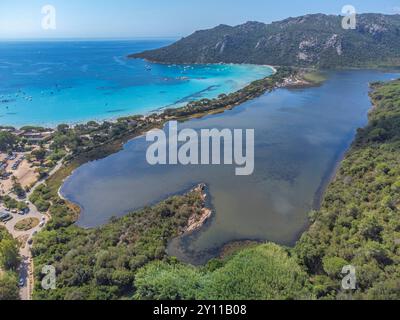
(63, 128)
(9, 202)
(39, 154)
(7, 141)
(18, 190)
(334, 265)
(8, 287)
(9, 255)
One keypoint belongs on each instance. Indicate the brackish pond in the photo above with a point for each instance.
(300, 135)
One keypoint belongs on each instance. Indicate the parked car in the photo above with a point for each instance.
(21, 282)
(4, 217)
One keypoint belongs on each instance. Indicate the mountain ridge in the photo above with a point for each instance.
(313, 40)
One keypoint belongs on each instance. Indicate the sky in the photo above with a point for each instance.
(22, 19)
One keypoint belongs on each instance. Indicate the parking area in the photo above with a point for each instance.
(26, 269)
(17, 216)
(18, 166)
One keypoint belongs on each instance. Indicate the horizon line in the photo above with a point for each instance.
(47, 39)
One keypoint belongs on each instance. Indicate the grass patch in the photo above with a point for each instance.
(26, 224)
(314, 77)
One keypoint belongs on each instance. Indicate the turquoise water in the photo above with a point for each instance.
(47, 83)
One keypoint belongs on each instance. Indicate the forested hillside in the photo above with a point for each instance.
(359, 222)
(312, 40)
(100, 264)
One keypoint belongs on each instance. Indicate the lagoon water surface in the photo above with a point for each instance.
(48, 83)
(300, 136)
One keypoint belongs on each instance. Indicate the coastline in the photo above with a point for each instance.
(294, 79)
(197, 221)
(154, 110)
(113, 146)
(72, 211)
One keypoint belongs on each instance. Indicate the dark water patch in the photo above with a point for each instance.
(196, 95)
(116, 110)
(7, 100)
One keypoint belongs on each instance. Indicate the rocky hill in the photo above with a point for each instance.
(311, 40)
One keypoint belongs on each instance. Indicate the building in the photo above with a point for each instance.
(34, 137)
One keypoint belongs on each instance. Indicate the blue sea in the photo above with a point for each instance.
(48, 83)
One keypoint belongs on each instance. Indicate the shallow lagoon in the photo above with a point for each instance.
(48, 83)
(301, 134)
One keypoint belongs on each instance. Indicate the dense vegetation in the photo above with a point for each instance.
(102, 263)
(264, 272)
(8, 141)
(359, 222)
(9, 261)
(311, 40)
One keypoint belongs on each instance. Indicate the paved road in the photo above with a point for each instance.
(26, 267)
(25, 252)
(39, 183)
